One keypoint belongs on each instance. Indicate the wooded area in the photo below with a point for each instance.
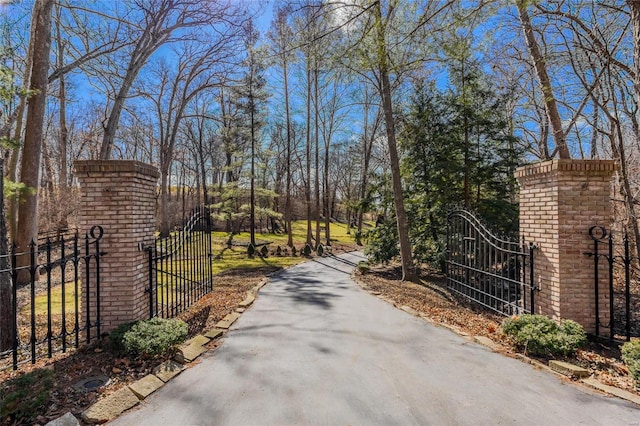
(388, 110)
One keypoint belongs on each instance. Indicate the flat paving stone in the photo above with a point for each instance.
(485, 341)
(168, 370)
(248, 301)
(568, 369)
(613, 391)
(146, 386)
(214, 333)
(186, 354)
(111, 407)
(228, 321)
(198, 340)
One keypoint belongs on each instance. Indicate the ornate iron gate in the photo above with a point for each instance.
(180, 267)
(497, 273)
(622, 278)
(58, 307)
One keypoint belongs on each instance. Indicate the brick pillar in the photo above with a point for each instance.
(120, 196)
(559, 201)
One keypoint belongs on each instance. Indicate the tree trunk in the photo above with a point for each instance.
(164, 202)
(408, 270)
(367, 148)
(540, 65)
(63, 191)
(252, 201)
(308, 180)
(316, 124)
(287, 207)
(327, 207)
(12, 169)
(7, 328)
(31, 154)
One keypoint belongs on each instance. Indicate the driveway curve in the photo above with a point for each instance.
(315, 349)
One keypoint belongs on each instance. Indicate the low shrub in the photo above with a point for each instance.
(540, 335)
(151, 337)
(117, 335)
(631, 357)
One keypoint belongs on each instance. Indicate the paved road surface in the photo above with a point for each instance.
(315, 349)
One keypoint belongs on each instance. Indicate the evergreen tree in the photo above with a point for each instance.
(458, 150)
(252, 97)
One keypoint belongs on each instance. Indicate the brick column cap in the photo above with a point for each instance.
(116, 166)
(568, 166)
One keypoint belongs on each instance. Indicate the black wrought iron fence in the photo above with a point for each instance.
(496, 273)
(621, 278)
(52, 293)
(180, 267)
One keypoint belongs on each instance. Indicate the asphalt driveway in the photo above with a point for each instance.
(315, 349)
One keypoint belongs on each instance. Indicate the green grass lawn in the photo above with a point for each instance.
(56, 301)
(225, 259)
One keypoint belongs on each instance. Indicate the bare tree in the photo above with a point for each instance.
(163, 21)
(40, 43)
(544, 80)
(281, 35)
(195, 72)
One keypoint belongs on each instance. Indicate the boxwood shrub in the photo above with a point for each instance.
(151, 337)
(540, 335)
(631, 357)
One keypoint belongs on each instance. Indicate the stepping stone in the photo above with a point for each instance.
(612, 390)
(260, 285)
(188, 353)
(111, 407)
(213, 333)
(568, 369)
(197, 340)
(168, 370)
(485, 341)
(146, 386)
(228, 320)
(248, 301)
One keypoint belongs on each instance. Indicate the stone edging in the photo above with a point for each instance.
(563, 369)
(116, 403)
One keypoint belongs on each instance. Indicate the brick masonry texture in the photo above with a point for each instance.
(120, 196)
(559, 201)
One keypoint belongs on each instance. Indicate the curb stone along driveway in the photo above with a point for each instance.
(317, 349)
